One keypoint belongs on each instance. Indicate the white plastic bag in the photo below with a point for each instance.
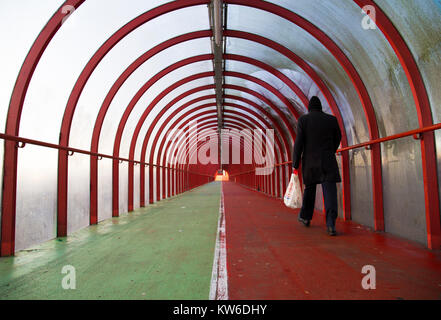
(293, 194)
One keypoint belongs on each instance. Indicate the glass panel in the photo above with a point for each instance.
(403, 189)
(20, 24)
(361, 187)
(151, 94)
(249, 115)
(154, 184)
(164, 102)
(104, 189)
(129, 89)
(275, 118)
(123, 187)
(309, 49)
(438, 153)
(276, 60)
(287, 67)
(267, 108)
(136, 186)
(142, 75)
(266, 93)
(78, 192)
(70, 50)
(376, 63)
(36, 210)
(418, 23)
(340, 189)
(147, 186)
(251, 108)
(258, 88)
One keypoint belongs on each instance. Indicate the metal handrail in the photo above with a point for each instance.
(21, 143)
(417, 134)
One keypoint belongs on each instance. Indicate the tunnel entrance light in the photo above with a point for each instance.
(222, 175)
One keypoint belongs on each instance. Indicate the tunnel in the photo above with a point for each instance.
(153, 141)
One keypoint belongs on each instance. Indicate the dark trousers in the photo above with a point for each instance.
(330, 197)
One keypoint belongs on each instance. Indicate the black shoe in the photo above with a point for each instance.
(305, 222)
(331, 231)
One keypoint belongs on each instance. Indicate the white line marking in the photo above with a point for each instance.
(219, 276)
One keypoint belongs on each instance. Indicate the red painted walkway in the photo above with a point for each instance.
(270, 255)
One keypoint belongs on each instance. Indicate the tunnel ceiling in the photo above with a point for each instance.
(113, 78)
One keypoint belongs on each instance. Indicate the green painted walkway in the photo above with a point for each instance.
(164, 251)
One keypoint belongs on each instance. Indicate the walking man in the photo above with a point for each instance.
(318, 138)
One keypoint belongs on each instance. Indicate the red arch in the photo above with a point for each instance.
(243, 147)
(258, 108)
(159, 97)
(210, 124)
(176, 164)
(149, 132)
(245, 100)
(262, 40)
(264, 181)
(213, 124)
(194, 117)
(157, 49)
(175, 125)
(235, 123)
(278, 149)
(152, 126)
(285, 144)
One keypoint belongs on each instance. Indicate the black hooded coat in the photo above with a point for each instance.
(318, 138)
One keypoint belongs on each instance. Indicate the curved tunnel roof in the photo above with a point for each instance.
(114, 79)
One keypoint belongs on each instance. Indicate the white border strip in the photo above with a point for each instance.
(219, 276)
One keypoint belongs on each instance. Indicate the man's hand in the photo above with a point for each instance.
(295, 171)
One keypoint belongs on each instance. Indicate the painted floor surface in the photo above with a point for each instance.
(164, 251)
(270, 255)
